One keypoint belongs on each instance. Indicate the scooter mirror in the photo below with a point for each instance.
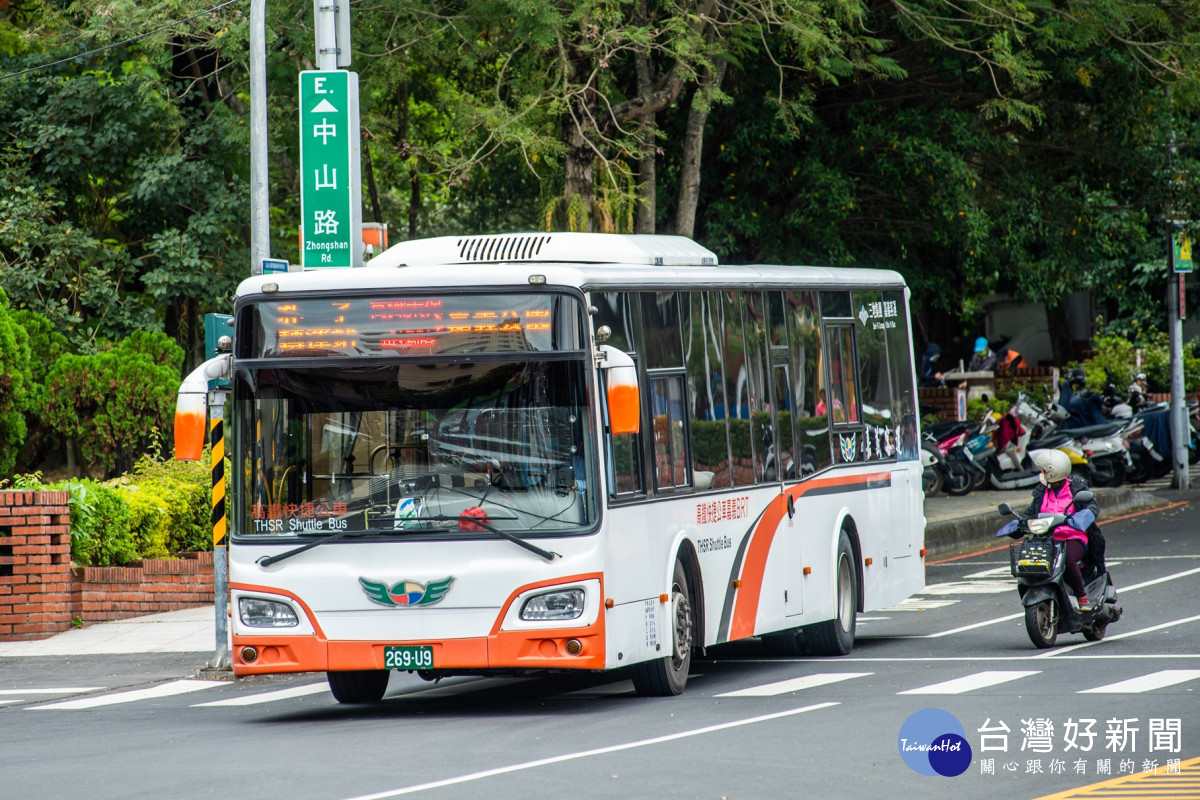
(1006, 510)
(1084, 498)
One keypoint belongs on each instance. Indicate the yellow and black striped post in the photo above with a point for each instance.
(217, 437)
(216, 415)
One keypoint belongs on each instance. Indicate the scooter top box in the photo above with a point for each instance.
(1031, 557)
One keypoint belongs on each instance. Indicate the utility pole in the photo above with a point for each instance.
(260, 200)
(1176, 309)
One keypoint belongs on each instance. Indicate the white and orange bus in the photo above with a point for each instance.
(555, 451)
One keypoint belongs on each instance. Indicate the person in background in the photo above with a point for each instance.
(930, 375)
(1006, 358)
(984, 359)
(1138, 390)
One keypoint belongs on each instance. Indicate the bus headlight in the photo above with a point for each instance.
(561, 604)
(256, 612)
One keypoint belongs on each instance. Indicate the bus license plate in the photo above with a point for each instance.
(408, 657)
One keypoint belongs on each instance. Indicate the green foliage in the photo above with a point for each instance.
(159, 510)
(100, 530)
(115, 403)
(15, 380)
(1114, 360)
(978, 408)
(174, 497)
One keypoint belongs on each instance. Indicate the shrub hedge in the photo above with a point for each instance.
(159, 510)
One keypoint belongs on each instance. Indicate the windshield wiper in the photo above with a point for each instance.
(267, 561)
(549, 555)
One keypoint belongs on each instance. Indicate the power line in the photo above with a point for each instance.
(81, 56)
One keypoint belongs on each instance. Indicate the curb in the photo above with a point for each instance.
(977, 531)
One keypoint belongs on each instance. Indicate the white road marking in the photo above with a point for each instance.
(1146, 683)
(795, 684)
(162, 690)
(1126, 635)
(616, 748)
(968, 587)
(919, 604)
(269, 697)
(1120, 589)
(57, 690)
(1163, 579)
(968, 683)
(973, 626)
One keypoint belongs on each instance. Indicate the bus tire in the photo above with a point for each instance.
(835, 637)
(664, 677)
(359, 686)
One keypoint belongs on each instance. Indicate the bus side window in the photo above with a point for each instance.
(843, 400)
(622, 458)
(703, 337)
(877, 318)
(808, 379)
(737, 391)
(672, 468)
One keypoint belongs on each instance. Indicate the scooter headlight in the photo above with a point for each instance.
(1040, 525)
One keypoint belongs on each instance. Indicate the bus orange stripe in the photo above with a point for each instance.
(745, 610)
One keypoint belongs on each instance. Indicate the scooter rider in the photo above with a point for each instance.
(1054, 494)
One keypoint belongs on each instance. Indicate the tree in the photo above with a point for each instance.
(120, 211)
(116, 404)
(15, 378)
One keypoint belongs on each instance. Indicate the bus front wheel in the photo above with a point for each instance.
(358, 686)
(667, 676)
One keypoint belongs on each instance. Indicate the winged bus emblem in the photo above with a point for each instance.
(405, 593)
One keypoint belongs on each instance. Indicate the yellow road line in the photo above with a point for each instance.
(1160, 785)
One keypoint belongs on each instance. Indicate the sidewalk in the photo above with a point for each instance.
(190, 631)
(953, 525)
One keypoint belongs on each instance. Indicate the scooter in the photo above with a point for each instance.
(1039, 564)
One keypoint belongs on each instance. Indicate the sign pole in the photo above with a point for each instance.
(216, 414)
(1180, 256)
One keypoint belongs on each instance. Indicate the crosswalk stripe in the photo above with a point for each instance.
(795, 684)
(268, 697)
(1147, 683)
(968, 683)
(162, 690)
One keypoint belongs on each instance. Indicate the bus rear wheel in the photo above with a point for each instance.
(667, 676)
(835, 637)
(359, 686)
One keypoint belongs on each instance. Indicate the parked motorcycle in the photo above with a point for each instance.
(1039, 564)
(946, 442)
(1099, 453)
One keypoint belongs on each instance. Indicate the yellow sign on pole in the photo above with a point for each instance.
(1183, 252)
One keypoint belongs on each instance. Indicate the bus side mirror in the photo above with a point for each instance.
(621, 387)
(190, 416)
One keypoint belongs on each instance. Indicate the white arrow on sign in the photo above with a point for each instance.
(324, 107)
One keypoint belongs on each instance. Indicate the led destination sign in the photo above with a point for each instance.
(412, 326)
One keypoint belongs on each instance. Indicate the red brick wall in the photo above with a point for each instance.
(150, 586)
(35, 564)
(41, 595)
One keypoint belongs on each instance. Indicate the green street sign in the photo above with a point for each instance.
(330, 193)
(1183, 251)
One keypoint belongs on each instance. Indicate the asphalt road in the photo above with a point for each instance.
(748, 726)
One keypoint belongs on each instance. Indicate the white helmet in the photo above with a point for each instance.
(1055, 465)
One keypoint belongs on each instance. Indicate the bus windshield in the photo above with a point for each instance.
(416, 448)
